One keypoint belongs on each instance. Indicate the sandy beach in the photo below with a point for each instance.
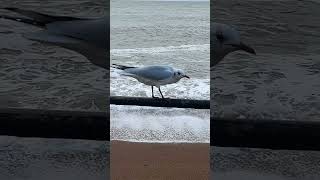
(144, 161)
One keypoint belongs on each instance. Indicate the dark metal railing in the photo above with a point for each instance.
(159, 102)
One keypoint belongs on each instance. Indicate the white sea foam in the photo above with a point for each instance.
(161, 125)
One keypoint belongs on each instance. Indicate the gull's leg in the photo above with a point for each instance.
(160, 92)
(152, 92)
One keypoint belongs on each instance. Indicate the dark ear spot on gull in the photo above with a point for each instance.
(219, 36)
(87, 36)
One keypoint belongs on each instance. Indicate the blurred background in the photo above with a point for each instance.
(280, 83)
(41, 76)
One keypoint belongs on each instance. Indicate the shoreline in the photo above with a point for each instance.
(160, 142)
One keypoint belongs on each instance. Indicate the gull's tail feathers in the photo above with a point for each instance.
(121, 67)
(37, 19)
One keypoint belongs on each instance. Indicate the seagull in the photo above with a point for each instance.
(153, 75)
(225, 40)
(87, 36)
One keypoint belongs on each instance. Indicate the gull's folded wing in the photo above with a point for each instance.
(152, 72)
(96, 55)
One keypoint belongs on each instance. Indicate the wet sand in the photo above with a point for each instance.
(144, 161)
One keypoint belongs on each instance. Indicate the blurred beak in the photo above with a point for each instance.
(246, 48)
(186, 76)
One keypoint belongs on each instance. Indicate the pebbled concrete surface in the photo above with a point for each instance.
(263, 164)
(53, 159)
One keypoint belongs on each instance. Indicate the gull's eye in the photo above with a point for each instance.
(219, 36)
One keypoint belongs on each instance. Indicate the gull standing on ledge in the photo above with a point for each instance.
(153, 75)
(87, 36)
(225, 40)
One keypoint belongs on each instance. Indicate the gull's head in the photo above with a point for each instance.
(226, 40)
(178, 74)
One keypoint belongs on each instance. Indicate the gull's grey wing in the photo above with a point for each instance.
(93, 31)
(157, 73)
(95, 55)
(87, 36)
(40, 18)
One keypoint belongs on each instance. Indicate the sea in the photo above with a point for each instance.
(174, 33)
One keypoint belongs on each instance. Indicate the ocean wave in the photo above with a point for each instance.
(159, 50)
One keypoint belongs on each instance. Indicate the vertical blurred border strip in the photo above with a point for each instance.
(108, 86)
(108, 70)
(211, 93)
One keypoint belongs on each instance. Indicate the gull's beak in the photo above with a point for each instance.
(246, 48)
(186, 76)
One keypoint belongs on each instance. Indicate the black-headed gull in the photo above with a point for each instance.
(153, 75)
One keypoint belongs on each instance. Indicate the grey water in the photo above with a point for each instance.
(175, 33)
(172, 33)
